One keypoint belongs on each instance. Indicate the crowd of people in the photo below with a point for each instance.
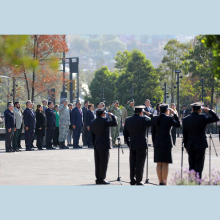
(100, 127)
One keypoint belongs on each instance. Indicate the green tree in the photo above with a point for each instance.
(113, 46)
(104, 79)
(122, 59)
(142, 76)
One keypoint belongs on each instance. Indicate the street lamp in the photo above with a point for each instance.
(165, 92)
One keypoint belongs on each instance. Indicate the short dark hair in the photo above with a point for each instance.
(49, 103)
(196, 108)
(55, 106)
(16, 103)
(86, 102)
(90, 105)
(38, 108)
(184, 105)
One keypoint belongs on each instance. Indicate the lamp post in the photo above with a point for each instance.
(165, 92)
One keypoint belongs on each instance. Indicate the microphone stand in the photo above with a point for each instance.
(210, 145)
(119, 178)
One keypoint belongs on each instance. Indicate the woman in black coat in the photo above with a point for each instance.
(161, 126)
(40, 126)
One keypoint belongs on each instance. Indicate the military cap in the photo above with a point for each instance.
(198, 104)
(116, 101)
(139, 107)
(100, 111)
(132, 100)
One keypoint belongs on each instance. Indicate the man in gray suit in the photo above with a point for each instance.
(18, 123)
(44, 102)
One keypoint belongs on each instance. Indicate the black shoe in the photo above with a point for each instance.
(48, 148)
(17, 150)
(61, 145)
(20, 147)
(140, 184)
(103, 182)
(52, 148)
(79, 146)
(29, 149)
(34, 147)
(90, 146)
(40, 148)
(75, 147)
(8, 151)
(132, 183)
(66, 147)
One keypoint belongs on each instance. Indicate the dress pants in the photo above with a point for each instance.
(196, 160)
(49, 136)
(137, 160)
(101, 163)
(39, 141)
(69, 136)
(89, 141)
(8, 139)
(84, 135)
(173, 133)
(29, 136)
(15, 139)
(19, 137)
(76, 136)
(56, 137)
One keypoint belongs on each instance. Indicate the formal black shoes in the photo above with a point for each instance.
(102, 182)
(140, 184)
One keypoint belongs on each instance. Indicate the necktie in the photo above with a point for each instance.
(80, 112)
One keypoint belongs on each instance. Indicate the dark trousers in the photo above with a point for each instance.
(29, 136)
(76, 136)
(196, 160)
(101, 163)
(137, 160)
(84, 135)
(89, 141)
(8, 139)
(15, 139)
(39, 141)
(173, 133)
(56, 137)
(19, 138)
(49, 136)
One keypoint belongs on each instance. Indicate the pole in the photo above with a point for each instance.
(178, 99)
(202, 89)
(8, 91)
(71, 81)
(13, 89)
(165, 92)
(77, 79)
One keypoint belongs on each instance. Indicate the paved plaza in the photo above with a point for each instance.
(76, 166)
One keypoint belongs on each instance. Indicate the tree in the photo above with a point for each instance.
(122, 59)
(103, 79)
(141, 75)
(113, 46)
(198, 62)
(79, 44)
(175, 54)
(95, 45)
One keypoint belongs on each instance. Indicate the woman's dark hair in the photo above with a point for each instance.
(90, 105)
(38, 108)
(157, 107)
(162, 110)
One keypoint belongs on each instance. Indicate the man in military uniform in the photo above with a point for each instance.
(101, 140)
(117, 113)
(64, 123)
(134, 135)
(124, 113)
(130, 108)
(194, 135)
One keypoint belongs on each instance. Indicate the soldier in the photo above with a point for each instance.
(64, 123)
(124, 113)
(117, 113)
(134, 135)
(194, 135)
(130, 108)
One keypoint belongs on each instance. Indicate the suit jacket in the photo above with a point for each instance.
(161, 134)
(89, 117)
(40, 123)
(135, 131)
(194, 129)
(29, 118)
(18, 118)
(76, 117)
(84, 110)
(9, 119)
(101, 134)
(146, 109)
(51, 119)
(70, 127)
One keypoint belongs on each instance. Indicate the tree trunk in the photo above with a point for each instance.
(212, 94)
(28, 92)
(33, 77)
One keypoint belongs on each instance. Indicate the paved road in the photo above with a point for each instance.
(76, 166)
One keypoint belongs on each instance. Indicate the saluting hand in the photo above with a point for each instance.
(206, 109)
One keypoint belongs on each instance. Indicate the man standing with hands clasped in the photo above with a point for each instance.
(77, 123)
(194, 135)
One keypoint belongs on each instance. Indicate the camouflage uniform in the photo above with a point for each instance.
(64, 122)
(130, 110)
(115, 130)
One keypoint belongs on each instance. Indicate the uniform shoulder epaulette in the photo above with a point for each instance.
(186, 116)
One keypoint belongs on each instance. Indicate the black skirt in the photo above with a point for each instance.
(163, 155)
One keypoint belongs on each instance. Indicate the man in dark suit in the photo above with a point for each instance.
(77, 124)
(50, 125)
(102, 142)
(29, 124)
(89, 117)
(194, 135)
(84, 129)
(135, 137)
(9, 127)
(185, 111)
